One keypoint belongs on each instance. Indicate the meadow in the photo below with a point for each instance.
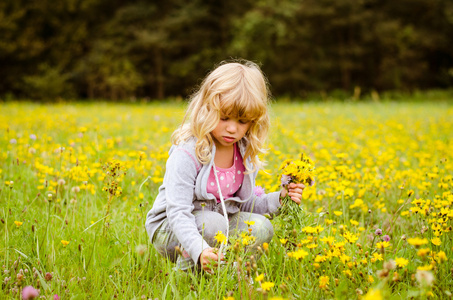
(77, 180)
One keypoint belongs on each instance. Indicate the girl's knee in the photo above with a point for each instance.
(209, 224)
(264, 228)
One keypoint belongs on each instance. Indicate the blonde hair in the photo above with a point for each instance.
(234, 89)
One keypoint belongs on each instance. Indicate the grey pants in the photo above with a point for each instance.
(209, 223)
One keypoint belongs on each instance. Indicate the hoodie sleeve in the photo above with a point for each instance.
(263, 204)
(180, 179)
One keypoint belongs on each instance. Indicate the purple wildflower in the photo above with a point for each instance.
(56, 297)
(32, 136)
(29, 292)
(285, 179)
(259, 191)
(386, 238)
(13, 141)
(378, 232)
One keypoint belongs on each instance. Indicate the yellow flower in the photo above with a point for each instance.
(65, 243)
(347, 273)
(249, 223)
(354, 222)
(370, 279)
(323, 282)
(283, 241)
(425, 268)
(228, 298)
(382, 245)
(423, 252)
(338, 213)
(247, 239)
(377, 256)
(259, 277)
(373, 295)
(220, 237)
(350, 237)
(436, 241)
(311, 246)
(441, 257)
(298, 254)
(18, 223)
(417, 241)
(328, 239)
(309, 230)
(267, 285)
(401, 262)
(265, 246)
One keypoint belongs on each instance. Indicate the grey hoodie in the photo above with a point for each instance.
(184, 190)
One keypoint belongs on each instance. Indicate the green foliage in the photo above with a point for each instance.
(116, 49)
(49, 83)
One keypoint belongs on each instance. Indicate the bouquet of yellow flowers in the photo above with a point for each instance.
(296, 171)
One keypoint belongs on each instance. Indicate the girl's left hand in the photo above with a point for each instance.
(295, 191)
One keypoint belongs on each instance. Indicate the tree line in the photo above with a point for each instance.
(114, 49)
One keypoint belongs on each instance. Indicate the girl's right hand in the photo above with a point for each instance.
(209, 258)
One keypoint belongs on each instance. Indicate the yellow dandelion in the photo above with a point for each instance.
(377, 256)
(298, 254)
(382, 245)
(423, 252)
(249, 223)
(338, 213)
(18, 223)
(441, 257)
(65, 243)
(267, 285)
(373, 295)
(436, 241)
(220, 237)
(401, 262)
(425, 268)
(323, 282)
(417, 241)
(259, 277)
(283, 241)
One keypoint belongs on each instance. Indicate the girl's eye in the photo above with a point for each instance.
(243, 121)
(224, 118)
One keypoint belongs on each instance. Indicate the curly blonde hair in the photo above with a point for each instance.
(236, 89)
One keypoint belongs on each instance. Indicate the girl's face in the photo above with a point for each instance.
(229, 131)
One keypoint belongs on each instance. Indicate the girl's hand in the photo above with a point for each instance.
(209, 258)
(294, 192)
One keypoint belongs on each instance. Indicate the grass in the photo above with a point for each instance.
(380, 165)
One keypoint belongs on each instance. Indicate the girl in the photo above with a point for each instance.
(210, 173)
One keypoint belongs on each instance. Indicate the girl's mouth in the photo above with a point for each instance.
(228, 139)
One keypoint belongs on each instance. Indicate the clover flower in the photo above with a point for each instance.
(258, 191)
(29, 292)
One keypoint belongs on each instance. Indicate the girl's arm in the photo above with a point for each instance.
(180, 179)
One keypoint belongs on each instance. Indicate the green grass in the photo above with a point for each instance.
(385, 154)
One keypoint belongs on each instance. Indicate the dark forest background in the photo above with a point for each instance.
(116, 49)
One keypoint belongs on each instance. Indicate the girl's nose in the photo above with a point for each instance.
(231, 127)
